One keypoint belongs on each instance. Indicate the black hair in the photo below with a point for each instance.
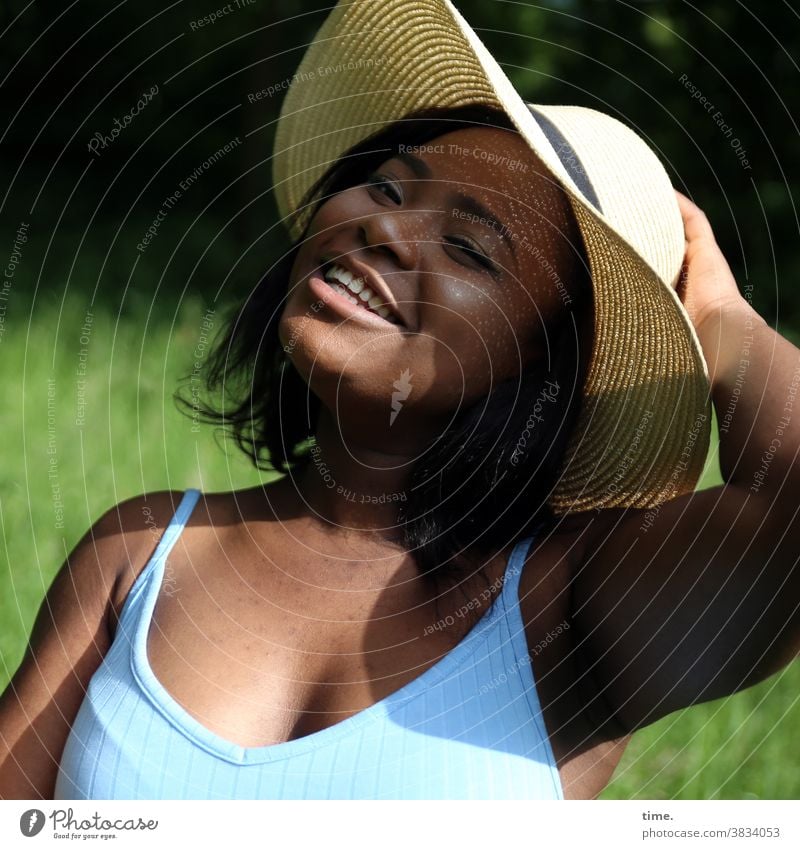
(480, 485)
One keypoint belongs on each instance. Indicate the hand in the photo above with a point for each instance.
(707, 288)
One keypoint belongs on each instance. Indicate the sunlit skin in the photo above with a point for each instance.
(476, 306)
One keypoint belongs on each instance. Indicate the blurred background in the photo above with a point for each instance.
(136, 208)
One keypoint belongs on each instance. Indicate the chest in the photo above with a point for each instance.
(262, 655)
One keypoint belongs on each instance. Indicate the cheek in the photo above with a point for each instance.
(490, 330)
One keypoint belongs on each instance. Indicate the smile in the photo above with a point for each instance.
(355, 290)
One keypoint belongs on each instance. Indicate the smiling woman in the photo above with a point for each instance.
(482, 324)
(487, 386)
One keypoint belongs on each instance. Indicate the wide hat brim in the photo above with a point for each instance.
(643, 433)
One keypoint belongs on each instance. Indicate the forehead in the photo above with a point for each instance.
(497, 167)
(492, 157)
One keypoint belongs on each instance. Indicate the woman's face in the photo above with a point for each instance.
(472, 243)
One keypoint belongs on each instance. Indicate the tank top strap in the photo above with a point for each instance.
(513, 573)
(152, 573)
(176, 524)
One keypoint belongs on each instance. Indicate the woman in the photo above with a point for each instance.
(467, 586)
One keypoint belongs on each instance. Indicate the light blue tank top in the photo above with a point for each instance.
(469, 727)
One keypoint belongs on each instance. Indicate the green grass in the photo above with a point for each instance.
(134, 440)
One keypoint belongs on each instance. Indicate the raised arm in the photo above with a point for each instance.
(71, 635)
(701, 598)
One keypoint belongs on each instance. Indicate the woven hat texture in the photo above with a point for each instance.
(643, 432)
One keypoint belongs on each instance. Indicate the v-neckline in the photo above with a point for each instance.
(217, 745)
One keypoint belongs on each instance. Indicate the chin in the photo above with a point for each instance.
(320, 355)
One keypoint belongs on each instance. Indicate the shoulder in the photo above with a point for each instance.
(118, 539)
(134, 528)
(131, 530)
(72, 632)
(544, 585)
(546, 599)
(556, 561)
(558, 551)
(586, 746)
(548, 605)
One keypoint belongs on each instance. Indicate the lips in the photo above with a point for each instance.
(363, 286)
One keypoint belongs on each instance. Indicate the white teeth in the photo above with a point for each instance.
(355, 284)
(356, 291)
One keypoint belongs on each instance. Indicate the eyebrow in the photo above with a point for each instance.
(471, 206)
(465, 202)
(421, 169)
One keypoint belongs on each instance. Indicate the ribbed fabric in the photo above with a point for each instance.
(469, 727)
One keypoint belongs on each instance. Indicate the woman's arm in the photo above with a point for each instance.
(71, 635)
(701, 597)
(755, 375)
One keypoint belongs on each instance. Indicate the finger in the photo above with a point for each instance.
(695, 222)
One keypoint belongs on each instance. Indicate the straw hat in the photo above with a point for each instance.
(643, 433)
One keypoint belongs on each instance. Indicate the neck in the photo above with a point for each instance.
(354, 488)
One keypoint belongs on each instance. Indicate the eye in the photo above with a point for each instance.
(472, 251)
(384, 186)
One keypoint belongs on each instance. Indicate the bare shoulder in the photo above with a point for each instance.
(121, 540)
(546, 601)
(585, 745)
(555, 556)
(71, 635)
(131, 531)
(139, 523)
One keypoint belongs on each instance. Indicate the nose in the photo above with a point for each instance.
(393, 234)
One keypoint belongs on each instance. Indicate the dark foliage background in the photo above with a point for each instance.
(70, 69)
